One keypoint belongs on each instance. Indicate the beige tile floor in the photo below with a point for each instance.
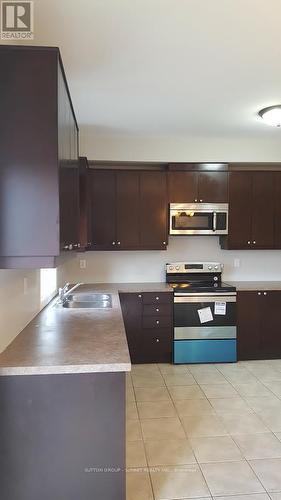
(204, 431)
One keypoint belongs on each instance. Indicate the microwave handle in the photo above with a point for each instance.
(214, 221)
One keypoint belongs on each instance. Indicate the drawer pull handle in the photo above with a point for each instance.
(157, 298)
(259, 293)
(157, 322)
(157, 340)
(265, 293)
(139, 296)
(157, 310)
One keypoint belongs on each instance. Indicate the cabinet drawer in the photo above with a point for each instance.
(156, 347)
(156, 321)
(156, 298)
(157, 310)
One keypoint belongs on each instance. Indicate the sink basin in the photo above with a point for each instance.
(88, 301)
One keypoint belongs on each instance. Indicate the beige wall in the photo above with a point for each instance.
(140, 147)
(19, 302)
(147, 266)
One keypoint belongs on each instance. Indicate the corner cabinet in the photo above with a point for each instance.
(258, 324)
(128, 210)
(38, 159)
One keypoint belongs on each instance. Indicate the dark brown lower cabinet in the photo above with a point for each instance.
(258, 324)
(62, 437)
(148, 319)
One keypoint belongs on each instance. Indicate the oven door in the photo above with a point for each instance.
(216, 321)
(198, 219)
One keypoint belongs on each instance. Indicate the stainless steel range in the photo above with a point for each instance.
(204, 313)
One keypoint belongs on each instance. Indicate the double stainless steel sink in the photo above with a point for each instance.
(88, 301)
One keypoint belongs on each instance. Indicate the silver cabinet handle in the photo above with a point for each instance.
(249, 243)
(157, 322)
(265, 293)
(139, 296)
(200, 201)
(70, 246)
(195, 200)
(254, 242)
(113, 243)
(157, 340)
(164, 242)
(259, 293)
(157, 298)
(66, 247)
(157, 310)
(118, 242)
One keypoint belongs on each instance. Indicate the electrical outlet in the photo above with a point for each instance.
(25, 286)
(236, 262)
(82, 263)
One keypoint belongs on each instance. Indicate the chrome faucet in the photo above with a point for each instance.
(62, 292)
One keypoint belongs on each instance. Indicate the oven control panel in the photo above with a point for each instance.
(193, 267)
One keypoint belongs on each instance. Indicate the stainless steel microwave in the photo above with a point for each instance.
(198, 218)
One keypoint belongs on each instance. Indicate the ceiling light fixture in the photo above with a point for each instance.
(271, 115)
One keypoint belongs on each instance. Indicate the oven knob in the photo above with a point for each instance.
(216, 268)
(171, 268)
(210, 268)
(177, 268)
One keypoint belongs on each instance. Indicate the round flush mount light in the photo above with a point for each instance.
(271, 115)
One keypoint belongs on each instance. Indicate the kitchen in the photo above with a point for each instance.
(115, 195)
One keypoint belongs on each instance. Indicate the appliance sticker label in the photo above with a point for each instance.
(205, 315)
(220, 308)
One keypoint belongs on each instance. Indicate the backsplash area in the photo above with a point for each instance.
(149, 266)
(19, 302)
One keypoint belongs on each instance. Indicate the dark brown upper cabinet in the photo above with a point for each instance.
(191, 186)
(252, 211)
(277, 202)
(128, 210)
(153, 210)
(39, 202)
(102, 187)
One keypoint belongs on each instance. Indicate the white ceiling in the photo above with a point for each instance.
(196, 67)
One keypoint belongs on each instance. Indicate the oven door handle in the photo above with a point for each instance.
(214, 221)
(204, 298)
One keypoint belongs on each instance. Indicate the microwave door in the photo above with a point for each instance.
(192, 222)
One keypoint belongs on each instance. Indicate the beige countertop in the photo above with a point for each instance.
(247, 286)
(60, 340)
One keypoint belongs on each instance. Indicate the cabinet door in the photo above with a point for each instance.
(249, 325)
(263, 210)
(153, 210)
(127, 193)
(213, 187)
(69, 207)
(277, 216)
(270, 346)
(102, 187)
(131, 304)
(240, 210)
(182, 187)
